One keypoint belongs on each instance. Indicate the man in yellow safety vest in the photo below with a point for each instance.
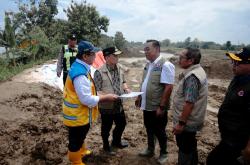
(66, 57)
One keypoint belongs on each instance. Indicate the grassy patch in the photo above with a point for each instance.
(6, 72)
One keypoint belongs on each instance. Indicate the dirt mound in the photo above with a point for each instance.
(217, 68)
(33, 133)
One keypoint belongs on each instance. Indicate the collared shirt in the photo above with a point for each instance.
(115, 79)
(82, 86)
(167, 77)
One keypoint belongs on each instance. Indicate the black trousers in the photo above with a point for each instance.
(65, 74)
(224, 153)
(107, 122)
(155, 127)
(77, 136)
(187, 143)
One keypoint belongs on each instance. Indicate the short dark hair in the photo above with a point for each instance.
(155, 43)
(193, 53)
(79, 56)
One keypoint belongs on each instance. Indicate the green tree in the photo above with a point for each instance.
(41, 46)
(195, 43)
(9, 36)
(3, 42)
(31, 14)
(9, 31)
(209, 45)
(85, 21)
(45, 20)
(106, 41)
(52, 5)
(120, 41)
(26, 17)
(59, 28)
(228, 45)
(187, 41)
(165, 42)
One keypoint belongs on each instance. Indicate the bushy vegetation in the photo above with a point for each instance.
(188, 42)
(6, 71)
(32, 34)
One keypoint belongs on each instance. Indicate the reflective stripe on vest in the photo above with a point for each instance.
(69, 117)
(70, 105)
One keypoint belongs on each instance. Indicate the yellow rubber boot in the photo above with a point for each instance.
(75, 158)
(84, 151)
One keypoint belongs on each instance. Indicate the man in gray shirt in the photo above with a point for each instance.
(189, 105)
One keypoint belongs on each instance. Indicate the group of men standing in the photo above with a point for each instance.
(82, 94)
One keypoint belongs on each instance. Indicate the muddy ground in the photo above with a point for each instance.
(31, 130)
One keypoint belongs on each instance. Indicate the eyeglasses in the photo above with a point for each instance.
(146, 49)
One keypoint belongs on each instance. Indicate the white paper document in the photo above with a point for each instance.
(131, 94)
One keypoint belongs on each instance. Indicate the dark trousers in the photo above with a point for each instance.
(77, 136)
(65, 74)
(187, 143)
(107, 122)
(155, 127)
(224, 154)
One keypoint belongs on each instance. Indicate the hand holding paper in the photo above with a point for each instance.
(131, 94)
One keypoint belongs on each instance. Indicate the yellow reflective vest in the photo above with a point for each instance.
(69, 54)
(74, 112)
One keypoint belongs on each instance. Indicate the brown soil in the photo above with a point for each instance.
(31, 129)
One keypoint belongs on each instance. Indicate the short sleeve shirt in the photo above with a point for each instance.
(191, 89)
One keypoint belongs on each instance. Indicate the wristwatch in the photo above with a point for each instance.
(182, 123)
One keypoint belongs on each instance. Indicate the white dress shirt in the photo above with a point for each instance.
(82, 87)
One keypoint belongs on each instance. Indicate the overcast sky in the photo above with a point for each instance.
(139, 20)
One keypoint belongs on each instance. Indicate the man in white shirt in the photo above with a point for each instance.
(157, 85)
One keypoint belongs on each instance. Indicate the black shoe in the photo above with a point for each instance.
(162, 159)
(146, 153)
(120, 145)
